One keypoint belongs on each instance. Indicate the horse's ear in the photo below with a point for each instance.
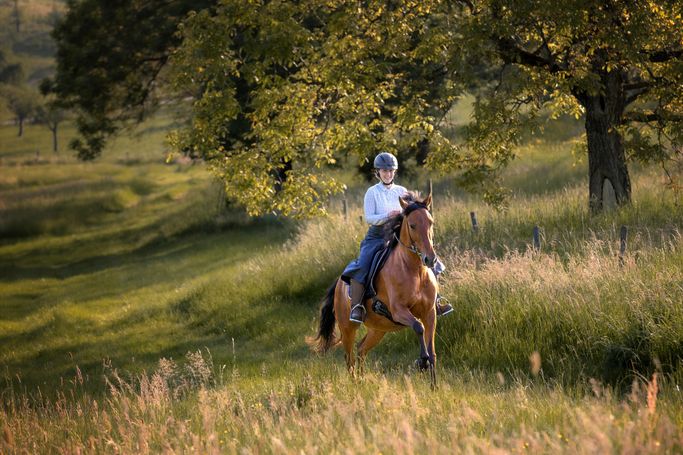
(403, 203)
(428, 201)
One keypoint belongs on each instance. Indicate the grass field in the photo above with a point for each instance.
(139, 314)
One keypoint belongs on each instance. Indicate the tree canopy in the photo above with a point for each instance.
(618, 63)
(284, 88)
(281, 90)
(21, 101)
(109, 59)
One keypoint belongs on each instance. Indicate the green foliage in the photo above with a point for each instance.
(340, 80)
(108, 59)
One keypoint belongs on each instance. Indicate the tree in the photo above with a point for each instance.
(51, 115)
(21, 101)
(50, 112)
(310, 81)
(110, 57)
(619, 63)
(111, 84)
(281, 90)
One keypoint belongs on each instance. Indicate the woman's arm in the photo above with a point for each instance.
(370, 208)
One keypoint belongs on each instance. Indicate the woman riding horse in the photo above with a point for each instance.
(405, 285)
(381, 202)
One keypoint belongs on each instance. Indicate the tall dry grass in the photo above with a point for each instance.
(202, 408)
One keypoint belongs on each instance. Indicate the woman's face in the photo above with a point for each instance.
(387, 175)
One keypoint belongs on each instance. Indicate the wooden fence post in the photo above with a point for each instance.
(345, 209)
(473, 217)
(537, 238)
(623, 235)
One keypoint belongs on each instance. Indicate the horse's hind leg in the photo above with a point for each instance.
(347, 329)
(369, 341)
(348, 336)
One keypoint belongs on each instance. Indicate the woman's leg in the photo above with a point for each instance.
(357, 307)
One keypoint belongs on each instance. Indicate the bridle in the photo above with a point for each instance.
(412, 248)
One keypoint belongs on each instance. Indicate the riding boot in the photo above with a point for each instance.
(442, 306)
(357, 307)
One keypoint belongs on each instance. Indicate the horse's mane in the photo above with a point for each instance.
(392, 228)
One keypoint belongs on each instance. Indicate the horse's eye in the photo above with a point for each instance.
(412, 226)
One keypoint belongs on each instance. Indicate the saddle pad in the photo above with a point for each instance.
(377, 262)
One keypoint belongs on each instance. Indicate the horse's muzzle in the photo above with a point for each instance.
(429, 261)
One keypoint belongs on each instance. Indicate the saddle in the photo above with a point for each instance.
(378, 262)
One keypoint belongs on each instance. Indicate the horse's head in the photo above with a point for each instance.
(417, 230)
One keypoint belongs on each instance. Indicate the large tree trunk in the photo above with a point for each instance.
(606, 158)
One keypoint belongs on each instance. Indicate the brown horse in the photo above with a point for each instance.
(406, 285)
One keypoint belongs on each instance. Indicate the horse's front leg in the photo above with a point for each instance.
(429, 336)
(405, 317)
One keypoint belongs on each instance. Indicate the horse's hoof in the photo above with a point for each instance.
(422, 364)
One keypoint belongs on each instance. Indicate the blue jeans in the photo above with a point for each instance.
(359, 268)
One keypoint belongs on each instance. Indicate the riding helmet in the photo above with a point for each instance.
(386, 160)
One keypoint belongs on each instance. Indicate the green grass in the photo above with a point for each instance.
(140, 315)
(99, 259)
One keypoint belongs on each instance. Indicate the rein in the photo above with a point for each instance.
(412, 248)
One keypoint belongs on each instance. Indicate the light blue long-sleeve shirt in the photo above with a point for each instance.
(380, 200)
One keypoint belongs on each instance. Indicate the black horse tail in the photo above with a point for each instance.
(326, 338)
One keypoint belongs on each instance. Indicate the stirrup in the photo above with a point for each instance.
(357, 317)
(443, 309)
